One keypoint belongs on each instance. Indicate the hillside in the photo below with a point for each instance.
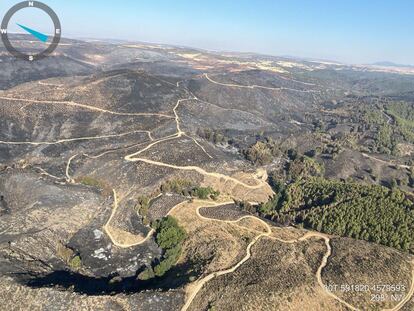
(151, 177)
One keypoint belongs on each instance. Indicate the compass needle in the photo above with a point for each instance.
(36, 34)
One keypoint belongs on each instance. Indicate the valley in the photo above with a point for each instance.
(238, 163)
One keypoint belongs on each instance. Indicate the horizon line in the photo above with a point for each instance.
(380, 63)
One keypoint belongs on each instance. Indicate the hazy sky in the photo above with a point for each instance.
(346, 30)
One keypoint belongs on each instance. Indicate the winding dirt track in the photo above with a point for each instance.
(92, 108)
(195, 288)
(50, 84)
(409, 294)
(385, 162)
(198, 170)
(69, 179)
(107, 228)
(68, 140)
(43, 172)
(258, 86)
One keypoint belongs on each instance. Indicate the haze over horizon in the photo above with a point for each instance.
(351, 32)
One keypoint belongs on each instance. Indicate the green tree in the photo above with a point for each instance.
(169, 236)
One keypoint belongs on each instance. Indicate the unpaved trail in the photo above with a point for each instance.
(323, 265)
(258, 86)
(409, 294)
(199, 145)
(67, 171)
(385, 162)
(297, 81)
(50, 84)
(195, 288)
(68, 140)
(92, 108)
(198, 170)
(107, 228)
(179, 133)
(198, 285)
(177, 118)
(133, 157)
(389, 118)
(43, 172)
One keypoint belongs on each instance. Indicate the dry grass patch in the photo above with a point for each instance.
(123, 237)
(356, 262)
(217, 244)
(278, 276)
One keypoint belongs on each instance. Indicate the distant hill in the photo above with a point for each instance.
(391, 64)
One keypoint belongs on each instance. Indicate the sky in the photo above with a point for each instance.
(350, 31)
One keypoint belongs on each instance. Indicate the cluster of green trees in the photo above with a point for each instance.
(368, 212)
(373, 119)
(246, 206)
(205, 193)
(268, 209)
(276, 202)
(332, 150)
(388, 135)
(179, 186)
(266, 150)
(372, 115)
(402, 110)
(187, 188)
(319, 126)
(76, 262)
(303, 167)
(213, 136)
(385, 140)
(403, 114)
(262, 152)
(69, 256)
(300, 167)
(142, 208)
(170, 237)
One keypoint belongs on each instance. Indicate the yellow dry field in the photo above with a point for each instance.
(123, 237)
(223, 244)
